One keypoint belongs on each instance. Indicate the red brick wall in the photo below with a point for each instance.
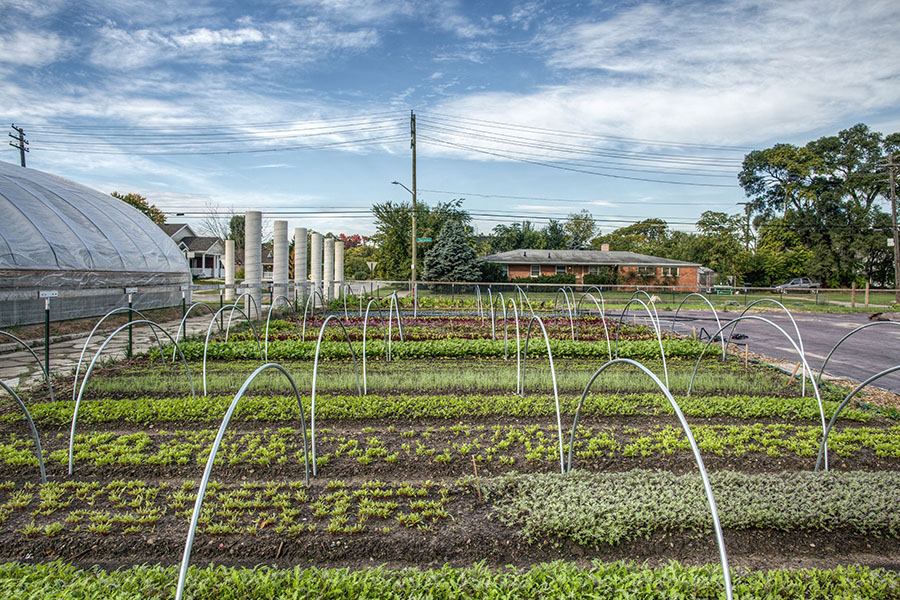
(686, 280)
(519, 271)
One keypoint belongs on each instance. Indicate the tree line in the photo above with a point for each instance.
(816, 210)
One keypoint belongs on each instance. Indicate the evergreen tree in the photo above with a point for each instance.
(452, 258)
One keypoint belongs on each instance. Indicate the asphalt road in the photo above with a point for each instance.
(860, 356)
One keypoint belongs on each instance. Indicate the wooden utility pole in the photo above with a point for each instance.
(412, 130)
(22, 145)
(891, 166)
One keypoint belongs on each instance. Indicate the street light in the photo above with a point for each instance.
(413, 194)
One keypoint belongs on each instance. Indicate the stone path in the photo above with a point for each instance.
(18, 368)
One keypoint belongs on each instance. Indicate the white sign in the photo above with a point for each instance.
(131, 290)
(49, 294)
(371, 264)
(890, 242)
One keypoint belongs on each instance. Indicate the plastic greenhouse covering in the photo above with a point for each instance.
(57, 234)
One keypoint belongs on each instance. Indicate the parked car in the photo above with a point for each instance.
(797, 283)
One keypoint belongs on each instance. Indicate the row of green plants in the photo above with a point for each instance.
(622, 580)
(593, 510)
(497, 445)
(185, 409)
(443, 348)
(606, 509)
(285, 508)
(469, 327)
(444, 376)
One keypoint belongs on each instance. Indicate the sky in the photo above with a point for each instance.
(525, 109)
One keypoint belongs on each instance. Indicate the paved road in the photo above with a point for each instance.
(862, 355)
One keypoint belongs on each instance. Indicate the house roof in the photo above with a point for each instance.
(172, 228)
(533, 256)
(201, 244)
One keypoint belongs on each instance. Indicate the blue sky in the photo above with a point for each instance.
(124, 94)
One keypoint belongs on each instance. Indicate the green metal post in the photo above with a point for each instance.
(130, 318)
(221, 304)
(47, 336)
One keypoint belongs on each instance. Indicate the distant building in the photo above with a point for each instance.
(205, 255)
(629, 267)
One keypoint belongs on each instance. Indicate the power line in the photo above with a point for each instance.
(543, 143)
(572, 169)
(545, 199)
(583, 135)
(322, 146)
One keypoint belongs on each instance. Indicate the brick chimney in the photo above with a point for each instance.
(604, 247)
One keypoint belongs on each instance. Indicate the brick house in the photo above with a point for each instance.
(630, 267)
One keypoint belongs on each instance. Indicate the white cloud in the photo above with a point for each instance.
(204, 37)
(262, 44)
(729, 73)
(31, 48)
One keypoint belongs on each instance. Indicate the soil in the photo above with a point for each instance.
(468, 535)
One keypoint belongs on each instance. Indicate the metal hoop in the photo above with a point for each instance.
(232, 308)
(312, 409)
(715, 314)
(184, 320)
(87, 374)
(568, 305)
(723, 556)
(600, 306)
(37, 440)
(553, 377)
(38, 360)
(387, 354)
(823, 447)
(88, 341)
(807, 372)
(655, 323)
(841, 341)
(311, 298)
(796, 330)
(201, 492)
(269, 316)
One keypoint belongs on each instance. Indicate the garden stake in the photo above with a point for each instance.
(793, 374)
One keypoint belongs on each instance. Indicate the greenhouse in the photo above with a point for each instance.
(59, 236)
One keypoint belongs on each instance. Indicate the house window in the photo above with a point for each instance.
(560, 270)
(594, 269)
(646, 271)
(535, 270)
(505, 271)
(670, 271)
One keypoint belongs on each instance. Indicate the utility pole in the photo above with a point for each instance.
(891, 166)
(22, 145)
(412, 126)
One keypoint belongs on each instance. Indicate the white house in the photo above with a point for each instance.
(205, 255)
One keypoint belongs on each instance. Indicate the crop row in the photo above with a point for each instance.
(442, 348)
(409, 406)
(500, 445)
(592, 510)
(589, 328)
(286, 508)
(626, 581)
(606, 509)
(444, 376)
